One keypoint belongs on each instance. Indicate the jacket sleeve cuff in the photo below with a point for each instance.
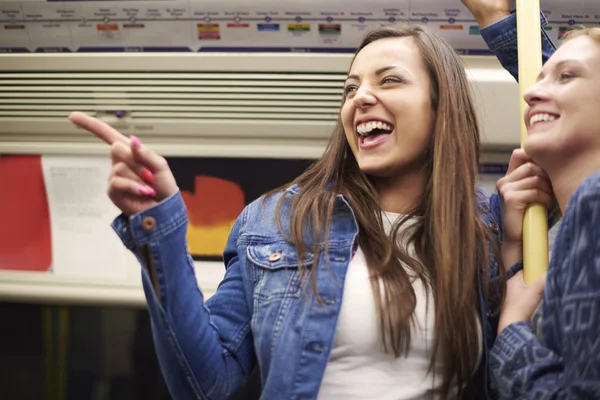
(504, 32)
(512, 339)
(512, 271)
(152, 224)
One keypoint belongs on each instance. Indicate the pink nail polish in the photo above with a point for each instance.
(147, 191)
(147, 175)
(136, 141)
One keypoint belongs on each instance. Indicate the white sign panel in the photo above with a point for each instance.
(243, 25)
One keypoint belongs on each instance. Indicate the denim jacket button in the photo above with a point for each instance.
(275, 256)
(148, 224)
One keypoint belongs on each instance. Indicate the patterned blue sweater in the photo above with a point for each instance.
(565, 362)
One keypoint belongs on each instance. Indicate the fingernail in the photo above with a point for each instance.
(147, 191)
(136, 141)
(147, 175)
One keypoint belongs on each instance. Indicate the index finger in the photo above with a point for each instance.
(101, 129)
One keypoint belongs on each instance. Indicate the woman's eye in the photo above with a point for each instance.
(349, 90)
(391, 79)
(566, 76)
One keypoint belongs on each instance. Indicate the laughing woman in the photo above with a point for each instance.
(374, 275)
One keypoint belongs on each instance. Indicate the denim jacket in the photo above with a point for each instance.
(259, 314)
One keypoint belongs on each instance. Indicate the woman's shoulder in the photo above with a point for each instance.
(259, 218)
(268, 202)
(584, 206)
(589, 188)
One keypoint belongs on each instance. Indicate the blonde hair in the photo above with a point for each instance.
(594, 33)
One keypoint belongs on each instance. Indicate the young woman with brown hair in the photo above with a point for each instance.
(374, 275)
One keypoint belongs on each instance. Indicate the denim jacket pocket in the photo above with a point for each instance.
(277, 267)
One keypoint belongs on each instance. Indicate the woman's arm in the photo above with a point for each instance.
(205, 351)
(499, 30)
(567, 364)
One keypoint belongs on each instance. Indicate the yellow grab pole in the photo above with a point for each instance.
(535, 222)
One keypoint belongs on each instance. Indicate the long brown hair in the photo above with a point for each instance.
(451, 239)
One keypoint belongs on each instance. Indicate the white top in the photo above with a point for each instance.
(358, 367)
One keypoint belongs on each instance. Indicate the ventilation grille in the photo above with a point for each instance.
(286, 100)
(172, 95)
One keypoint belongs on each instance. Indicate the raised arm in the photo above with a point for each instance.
(499, 30)
(205, 350)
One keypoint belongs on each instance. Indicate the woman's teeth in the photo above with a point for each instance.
(366, 128)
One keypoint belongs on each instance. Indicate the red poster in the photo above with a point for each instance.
(24, 218)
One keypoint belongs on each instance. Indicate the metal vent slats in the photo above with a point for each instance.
(158, 95)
